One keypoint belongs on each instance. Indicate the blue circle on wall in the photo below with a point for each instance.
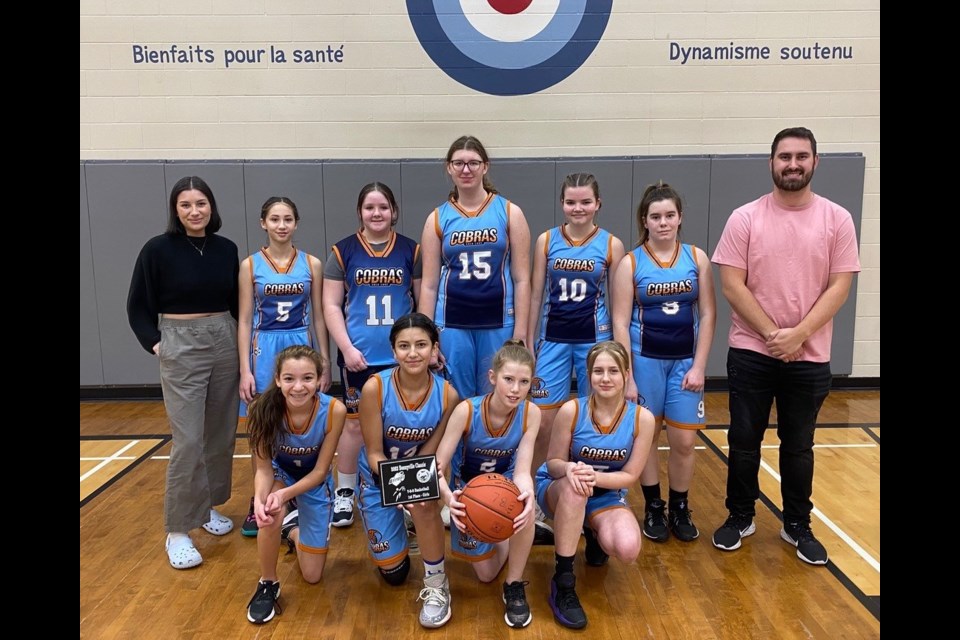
(509, 47)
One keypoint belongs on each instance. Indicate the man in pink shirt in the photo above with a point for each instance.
(786, 264)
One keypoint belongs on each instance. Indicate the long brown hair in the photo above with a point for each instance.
(266, 416)
(656, 193)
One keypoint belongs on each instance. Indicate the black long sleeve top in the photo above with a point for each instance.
(172, 276)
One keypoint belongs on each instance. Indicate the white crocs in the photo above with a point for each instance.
(181, 552)
(219, 525)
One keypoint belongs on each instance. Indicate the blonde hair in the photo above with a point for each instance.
(513, 350)
(614, 349)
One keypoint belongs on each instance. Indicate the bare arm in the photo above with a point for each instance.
(319, 326)
(733, 282)
(536, 290)
(248, 385)
(430, 247)
(371, 422)
(430, 446)
(522, 473)
(707, 305)
(519, 232)
(448, 445)
(623, 303)
(333, 292)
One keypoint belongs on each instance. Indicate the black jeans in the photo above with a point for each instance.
(799, 388)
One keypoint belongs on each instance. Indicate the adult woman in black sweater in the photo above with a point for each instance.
(182, 306)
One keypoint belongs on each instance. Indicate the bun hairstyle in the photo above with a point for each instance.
(513, 350)
(273, 200)
(656, 193)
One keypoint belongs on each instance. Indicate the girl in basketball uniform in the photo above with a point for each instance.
(280, 289)
(495, 433)
(571, 267)
(403, 413)
(665, 313)
(294, 431)
(599, 445)
(370, 278)
(476, 268)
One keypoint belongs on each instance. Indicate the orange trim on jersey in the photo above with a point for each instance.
(383, 253)
(299, 431)
(436, 223)
(526, 414)
(466, 427)
(416, 256)
(330, 407)
(573, 427)
(379, 380)
(610, 250)
(578, 243)
(478, 212)
(693, 254)
(663, 265)
(485, 412)
(343, 267)
(410, 406)
(273, 265)
(606, 429)
(546, 244)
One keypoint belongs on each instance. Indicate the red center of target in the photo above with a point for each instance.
(509, 7)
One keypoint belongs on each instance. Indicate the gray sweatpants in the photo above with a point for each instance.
(200, 378)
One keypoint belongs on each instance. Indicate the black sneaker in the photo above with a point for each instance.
(249, 528)
(263, 605)
(542, 534)
(594, 553)
(808, 547)
(737, 527)
(565, 603)
(516, 610)
(342, 508)
(655, 521)
(680, 522)
(290, 522)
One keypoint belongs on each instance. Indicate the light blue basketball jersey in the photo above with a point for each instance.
(378, 289)
(298, 452)
(486, 447)
(604, 447)
(666, 317)
(407, 422)
(575, 308)
(281, 297)
(475, 289)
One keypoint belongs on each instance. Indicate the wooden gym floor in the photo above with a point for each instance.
(675, 590)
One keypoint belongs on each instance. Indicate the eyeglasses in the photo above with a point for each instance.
(458, 165)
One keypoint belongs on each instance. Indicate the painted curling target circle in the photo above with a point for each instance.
(509, 47)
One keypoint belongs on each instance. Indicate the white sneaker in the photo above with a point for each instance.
(343, 508)
(436, 601)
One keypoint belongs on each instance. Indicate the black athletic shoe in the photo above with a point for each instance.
(263, 605)
(565, 603)
(594, 553)
(291, 522)
(655, 521)
(729, 535)
(681, 524)
(542, 534)
(808, 547)
(516, 611)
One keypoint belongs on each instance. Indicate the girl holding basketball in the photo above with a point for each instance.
(571, 264)
(665, 314)
(597, 450)
(476, 268)
(403, 413)
(496, 433)
(359, 309)
(279, 304)
(294, 430)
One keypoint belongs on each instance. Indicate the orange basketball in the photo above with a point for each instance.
(490, 502)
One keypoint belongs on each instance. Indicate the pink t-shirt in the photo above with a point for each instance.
(788, 254)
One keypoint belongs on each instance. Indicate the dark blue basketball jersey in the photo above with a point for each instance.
(298, 453)
(475, 289)
(665, 316)
(603, 447)
(378, 289)
(575, 308)
(407, 422)
(281, 297)
(486, 447)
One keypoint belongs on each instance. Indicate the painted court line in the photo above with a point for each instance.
(106, 461)
(837, 530)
